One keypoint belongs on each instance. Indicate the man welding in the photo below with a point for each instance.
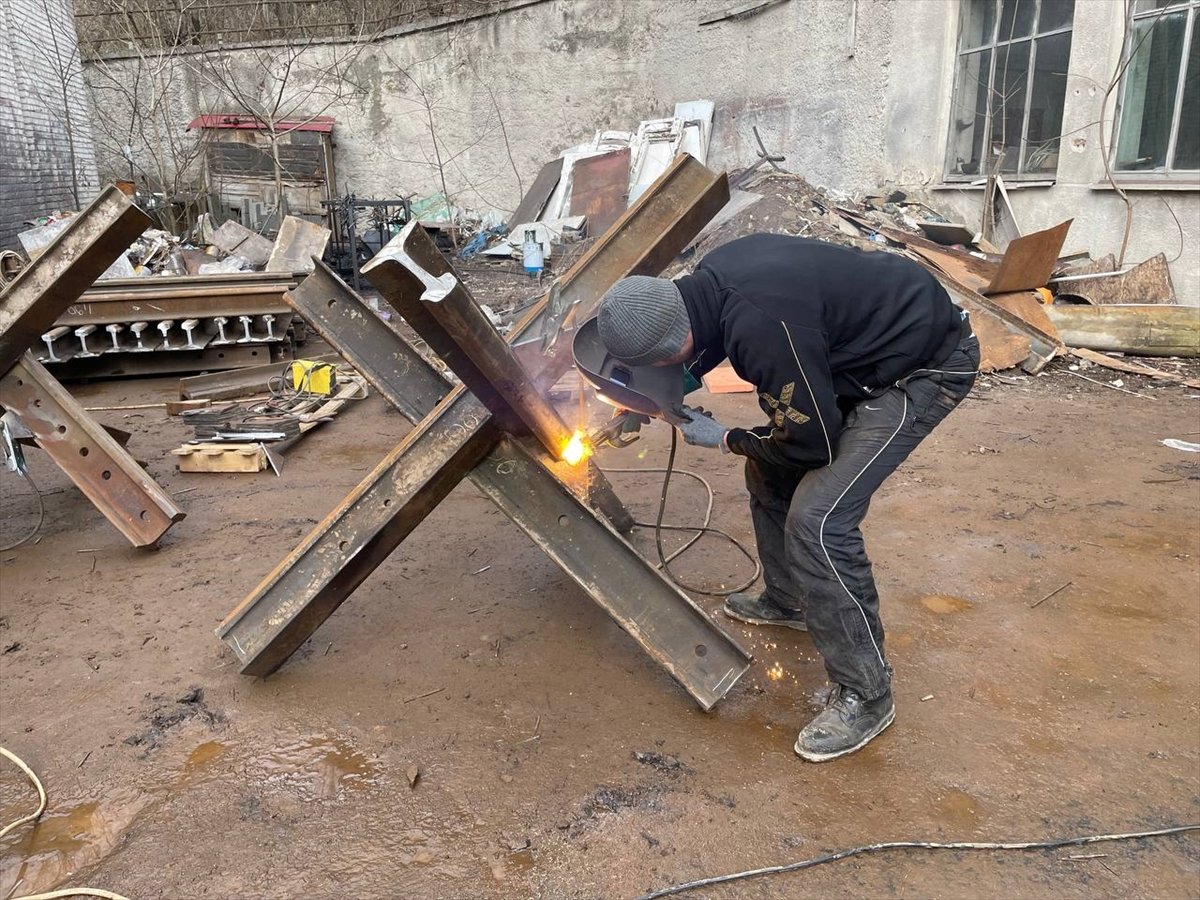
(856, 357)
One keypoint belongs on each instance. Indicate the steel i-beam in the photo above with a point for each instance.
(288, 605)
(99, 466)
(662, 619)
(78, 256)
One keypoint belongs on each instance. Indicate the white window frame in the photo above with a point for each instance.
(995, 45)
(1167, 173)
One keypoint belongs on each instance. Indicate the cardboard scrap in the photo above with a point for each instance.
(723, 380)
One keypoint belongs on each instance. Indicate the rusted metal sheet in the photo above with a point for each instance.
(93, 459)
(539, 192)
(350, 543)
(676, 633)
(600, 189)
(67, 267)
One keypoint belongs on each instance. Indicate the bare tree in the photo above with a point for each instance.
(139, 93)
(285, 85)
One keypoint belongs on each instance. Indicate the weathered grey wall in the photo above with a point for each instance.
(39, 170)
(856, 94)
(916, 141)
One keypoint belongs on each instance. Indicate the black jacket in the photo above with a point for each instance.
(816, 328)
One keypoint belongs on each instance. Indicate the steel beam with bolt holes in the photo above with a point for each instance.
(91, 457)
(339, 554)
(64, 270)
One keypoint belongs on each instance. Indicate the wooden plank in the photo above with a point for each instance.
(600, 189)
(1139, 329)
(1124, 365)
(723, 380)
(1147, 282)
(534, 201)
(221, 457)
(1029, 261)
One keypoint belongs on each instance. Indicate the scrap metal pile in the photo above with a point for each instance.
(214, 301)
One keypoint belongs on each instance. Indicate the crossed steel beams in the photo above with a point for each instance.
(81, 447)
(459, 434)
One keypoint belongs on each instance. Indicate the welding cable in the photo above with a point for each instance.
(36, 528)
(33, 816)
(701, 530)
(916, 845)
(37, 814)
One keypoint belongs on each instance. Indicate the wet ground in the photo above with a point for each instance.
(551, 758)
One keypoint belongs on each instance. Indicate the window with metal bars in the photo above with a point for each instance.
(1158, 115)
(1009, 86)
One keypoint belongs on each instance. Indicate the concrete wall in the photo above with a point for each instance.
(856, 94)
(40, 171)
(916, 143)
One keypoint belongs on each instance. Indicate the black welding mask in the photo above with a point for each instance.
(650, 390)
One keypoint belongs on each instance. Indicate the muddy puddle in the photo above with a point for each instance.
(75, 833)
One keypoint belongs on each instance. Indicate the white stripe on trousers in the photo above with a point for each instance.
(821, 531)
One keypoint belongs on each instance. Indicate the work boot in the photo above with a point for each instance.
(846, 724)
(761, 610)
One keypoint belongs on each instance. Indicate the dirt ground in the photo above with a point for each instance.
(554, 758)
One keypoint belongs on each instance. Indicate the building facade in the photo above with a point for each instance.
(1087, 108)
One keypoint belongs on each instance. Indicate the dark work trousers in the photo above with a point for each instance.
(807, 523)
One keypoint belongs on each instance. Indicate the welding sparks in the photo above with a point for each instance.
(576, 449)
(775, 672)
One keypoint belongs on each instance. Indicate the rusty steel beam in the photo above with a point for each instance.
(672, 210)
(93, 459)
(399, 372)
(65, 269)
(664, 621)
(348, 544)
(341, 552)
(446, 316)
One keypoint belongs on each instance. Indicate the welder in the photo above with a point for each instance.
(856, 357)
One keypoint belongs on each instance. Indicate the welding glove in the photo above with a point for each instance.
(703, 430)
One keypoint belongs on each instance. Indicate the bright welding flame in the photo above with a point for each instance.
(775, 672)
(576, 449)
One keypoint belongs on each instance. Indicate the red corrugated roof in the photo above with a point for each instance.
(323, 124)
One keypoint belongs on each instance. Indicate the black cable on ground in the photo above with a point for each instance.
(659, 528)
(41, 517)
(915, 845)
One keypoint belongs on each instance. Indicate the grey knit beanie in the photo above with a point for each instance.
(642, 320)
